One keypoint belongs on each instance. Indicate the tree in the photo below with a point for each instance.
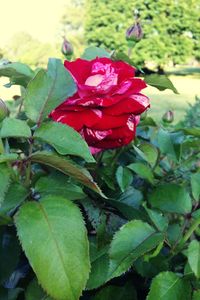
(171, 28)
(24, 48)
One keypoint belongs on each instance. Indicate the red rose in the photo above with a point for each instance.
(106, 108)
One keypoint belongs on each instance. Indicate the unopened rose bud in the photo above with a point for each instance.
(67, 48)
(4, 112)
(134, 32)
(168, 117)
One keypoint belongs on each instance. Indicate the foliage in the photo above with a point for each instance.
(122, 225)
(24, 48)
(171, 29)
(192, 117)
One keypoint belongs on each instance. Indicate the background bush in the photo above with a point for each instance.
(171, 29)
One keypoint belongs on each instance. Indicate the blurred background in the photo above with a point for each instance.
(31, 31)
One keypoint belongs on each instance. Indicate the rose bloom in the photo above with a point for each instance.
(106, 107)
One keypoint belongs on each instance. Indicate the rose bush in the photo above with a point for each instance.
(126, 226)
(106, 107)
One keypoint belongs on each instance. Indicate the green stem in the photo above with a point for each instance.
(20, 106)
(188, 234)
(28, 169)
(129, 52)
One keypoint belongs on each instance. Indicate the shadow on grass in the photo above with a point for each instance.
(185, 71)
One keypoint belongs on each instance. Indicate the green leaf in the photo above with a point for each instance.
(142, 171)
(18, 73)
(124, 177)
(194, 131)
(93, 52)
(196, 214)
(129, 204)
(133, 240)
(99, 268)
(58, 184)
(5, 220)
(195, 183)
(131, 197)
(1, 146)
(148, 121)
(174, 233)
(170, 143)
(168, 286)
(15, 128)
(34, 291)
(152, 267)
(8, 157)
(53, 236)
(9, 253)
(67, 167)
(15, 195)
(126, 292)
(127, 211)
(161, 82)
(171, 198)
(47, 90)
(92, 211)
(4, 181)
(193, 254)
(150, 153)
(196, 295)
(10, 294)
(64, 139)
(159, 220)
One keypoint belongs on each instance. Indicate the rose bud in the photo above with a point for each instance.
(168, 117)
(4, 112)
(66, 48)
(134, 32)
(108, 103)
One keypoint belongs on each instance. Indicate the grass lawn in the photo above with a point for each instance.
(188, 87)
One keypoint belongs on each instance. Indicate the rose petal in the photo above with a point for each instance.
(94, 150)
(94, 80)
(80, 69)
(77, 120)
(136, 104)
(124, 70)
(110, 144)
(92, 136)
(109, 122)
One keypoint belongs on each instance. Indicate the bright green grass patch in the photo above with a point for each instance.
(187, 86)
